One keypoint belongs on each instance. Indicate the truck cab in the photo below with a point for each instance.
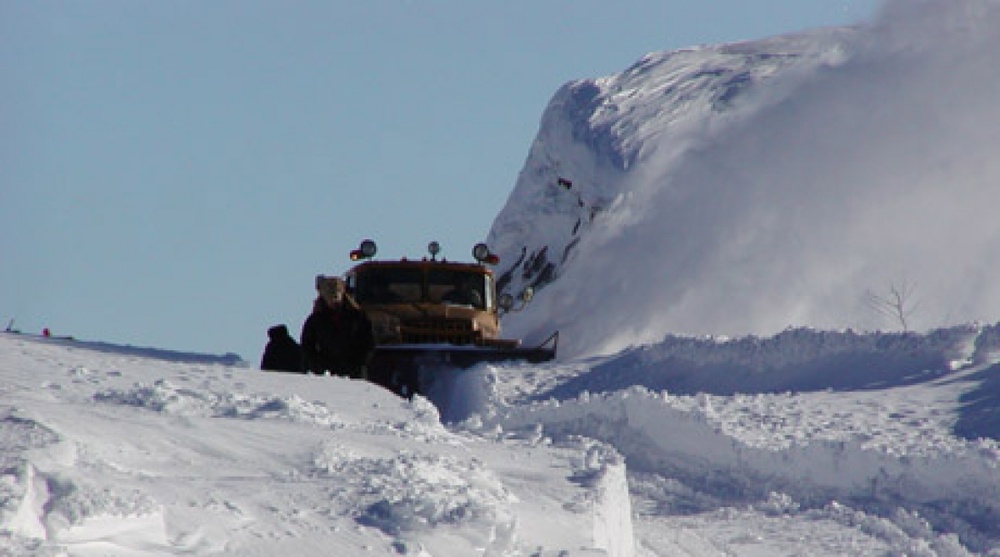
(428, 301)
(431, 314)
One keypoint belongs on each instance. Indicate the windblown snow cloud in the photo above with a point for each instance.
(823, 186)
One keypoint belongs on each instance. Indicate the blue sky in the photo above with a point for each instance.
(174, 174)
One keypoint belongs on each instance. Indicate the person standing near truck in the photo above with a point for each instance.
(337, 336)
(282, 353)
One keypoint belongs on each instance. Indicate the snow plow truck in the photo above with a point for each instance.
(431, 314)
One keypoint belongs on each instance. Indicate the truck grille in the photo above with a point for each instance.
(427, 331)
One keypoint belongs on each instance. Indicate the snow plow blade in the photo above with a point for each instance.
(407, 369)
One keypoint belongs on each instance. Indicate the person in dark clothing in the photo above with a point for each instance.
(282, 353)
(337, 337)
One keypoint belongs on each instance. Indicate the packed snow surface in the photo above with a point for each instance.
(123, 454)
(808, 442)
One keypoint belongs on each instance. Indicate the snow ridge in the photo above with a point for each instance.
(871, 432)
(744, 189)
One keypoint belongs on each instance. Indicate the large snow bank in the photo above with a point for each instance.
(819, 419)
(742, 189)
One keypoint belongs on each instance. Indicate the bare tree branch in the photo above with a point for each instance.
(897, 304)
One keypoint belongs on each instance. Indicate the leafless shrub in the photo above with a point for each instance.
(898, 304)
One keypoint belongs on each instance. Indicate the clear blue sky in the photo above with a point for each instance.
(174, 174)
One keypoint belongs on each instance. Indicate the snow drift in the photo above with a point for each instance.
(750, 187)
(119, 453)
(888, 425)
(826, 443)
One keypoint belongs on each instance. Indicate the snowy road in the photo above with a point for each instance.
(109, 453)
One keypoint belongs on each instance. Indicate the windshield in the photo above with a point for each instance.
(457, 287)
(410, 285)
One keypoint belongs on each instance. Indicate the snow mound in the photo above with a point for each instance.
(742, 189)
(413, 492)
(799, 359)
(39, 502)
(162, 396)
(861, 429)
(114, 454)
